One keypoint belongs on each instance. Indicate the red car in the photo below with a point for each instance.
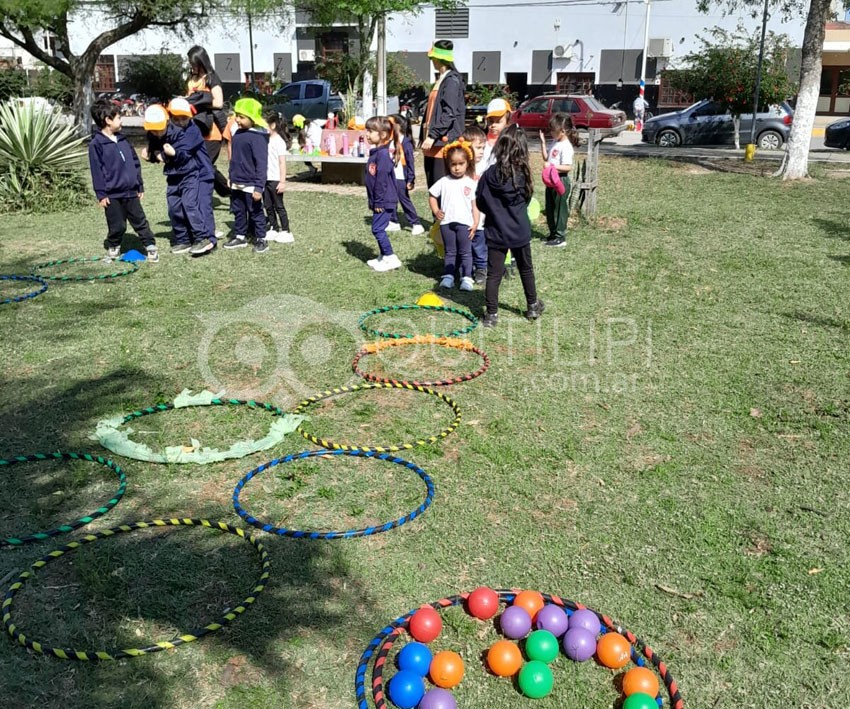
(586, 112)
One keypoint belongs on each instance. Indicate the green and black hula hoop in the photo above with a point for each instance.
(331, 445)
(380, 646)
(132, 267)
(94, 655)
(100, 511)
(473, 321)
(42, 287)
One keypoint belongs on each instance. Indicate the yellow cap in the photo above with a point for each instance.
(155, 117)
(430, 298)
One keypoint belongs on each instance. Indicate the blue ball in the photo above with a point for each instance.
(406, 689)
(415, 657)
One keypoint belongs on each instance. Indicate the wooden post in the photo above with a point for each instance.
(590, 181)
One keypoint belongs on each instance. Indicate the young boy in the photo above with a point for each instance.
(117, 179)
(477, 138)
(249, 159)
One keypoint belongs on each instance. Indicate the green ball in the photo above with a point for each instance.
(542, 645)
(535, 679)
(640, 700)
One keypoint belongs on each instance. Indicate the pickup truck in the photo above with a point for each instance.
(312, 99)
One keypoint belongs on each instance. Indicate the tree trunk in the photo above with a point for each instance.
(795, 164)
(83, 93)
(736, 123)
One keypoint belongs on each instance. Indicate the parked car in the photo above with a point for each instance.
(837, 135)
(533, 115)
(312, 99)
(708, 123)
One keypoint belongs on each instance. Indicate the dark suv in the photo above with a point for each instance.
(707, 123)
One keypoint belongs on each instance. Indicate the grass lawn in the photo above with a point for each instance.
(669, 444)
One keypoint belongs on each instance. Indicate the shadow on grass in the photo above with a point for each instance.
(818, 320)
(833, 229)
(842, 259)
(359, 250)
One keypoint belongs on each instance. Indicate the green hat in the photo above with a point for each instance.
(443, 50)
(251, 108)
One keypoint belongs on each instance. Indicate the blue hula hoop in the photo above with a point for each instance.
(25, 296)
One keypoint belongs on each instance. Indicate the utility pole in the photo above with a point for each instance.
(750, 150)
(381, 107)
(639, 124)
(251, 48)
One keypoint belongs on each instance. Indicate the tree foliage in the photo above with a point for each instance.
(159, 76)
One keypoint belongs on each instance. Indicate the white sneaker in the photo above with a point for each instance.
(285, 237)
(417, 229)
(271, 235)
(393, 226)
(372, 262)
(387, 263)
(219, 233)
(466, 283)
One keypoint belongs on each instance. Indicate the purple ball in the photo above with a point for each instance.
(579, 644)
(586, 619)
(438, 698)
(515, 622)
(553, 619)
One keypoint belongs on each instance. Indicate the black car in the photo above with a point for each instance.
(708, 123)
(837, 135)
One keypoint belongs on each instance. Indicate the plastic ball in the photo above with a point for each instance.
(515, 622)
(425, 624)
(415, 657)
(613, 651)
(579, 644)
(504, 658)
(446, 669)
(406, 689)
(640, 701)
(438, 698)
(640, 679)
(483, 603)
(586, 619)
(535, 679)
(542, 645)
(532, 601)
(553, 619)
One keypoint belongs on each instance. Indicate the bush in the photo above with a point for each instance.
(13, 82)
(159, 76)
(53, 85)
(40, 161)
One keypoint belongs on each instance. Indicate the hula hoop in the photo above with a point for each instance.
(191, 636)
(132, 268)
(330, 445)
(473, 321)
(454, 343)
(26, 296)
(347, 534)
(381, 644)
(100, 511)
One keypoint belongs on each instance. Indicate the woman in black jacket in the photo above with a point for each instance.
(446, 113)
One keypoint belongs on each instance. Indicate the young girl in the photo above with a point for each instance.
(503, 195)
(405, 177)
(381, 188)
(560, 155)
(477, 139)
(276, 182)
(452, 201)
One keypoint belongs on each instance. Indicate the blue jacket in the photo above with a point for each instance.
(249, 160)
(506, 207)
(380, 179)
(190, 155)
(115, 168)
(409, 165)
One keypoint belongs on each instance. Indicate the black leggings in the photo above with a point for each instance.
(496, 270)
(435, 168)
(275, 210)
(219, 181)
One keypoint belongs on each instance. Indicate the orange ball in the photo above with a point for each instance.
(640, 679)
(504, 658)
(446, 669)
(531, 601)
(613, 650)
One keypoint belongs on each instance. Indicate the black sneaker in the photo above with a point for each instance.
(237, 242)
(261, 246)
(180, 248)
(202, 247)
(479, 276)
(490, 319)
(535, 310)
(556, 242)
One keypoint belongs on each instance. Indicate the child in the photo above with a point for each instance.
(452, 200)
(249, 149)
(276, 182)
(117, 180)
(477, 139)
(498, 116)
(309, 136)
(188, 173)
(381, 188)
(405, 177)
(560, 155)
(503, 194)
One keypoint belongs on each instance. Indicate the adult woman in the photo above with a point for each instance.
(446, 112)
(204, 92)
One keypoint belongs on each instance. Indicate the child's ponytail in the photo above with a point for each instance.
(396, 139)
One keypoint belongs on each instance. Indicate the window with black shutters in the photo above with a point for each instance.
(451, 24)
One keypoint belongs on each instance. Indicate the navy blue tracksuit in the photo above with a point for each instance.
(401, 185)
(382, 193)
(249, 161)
(116, 174)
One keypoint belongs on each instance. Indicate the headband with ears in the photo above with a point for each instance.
(463, 145)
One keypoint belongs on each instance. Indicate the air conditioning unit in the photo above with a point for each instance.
(306, 55)
(661, 47)
(562, 52)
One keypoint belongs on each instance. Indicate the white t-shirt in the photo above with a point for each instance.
(399, 169)
(561, 153)
(456, 198)
(314, 135)
(639, 104)
(277, 149)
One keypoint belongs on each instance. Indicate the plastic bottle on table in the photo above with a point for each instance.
(361, 147)
(332, 146)
(345, 149)
(308, 147)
